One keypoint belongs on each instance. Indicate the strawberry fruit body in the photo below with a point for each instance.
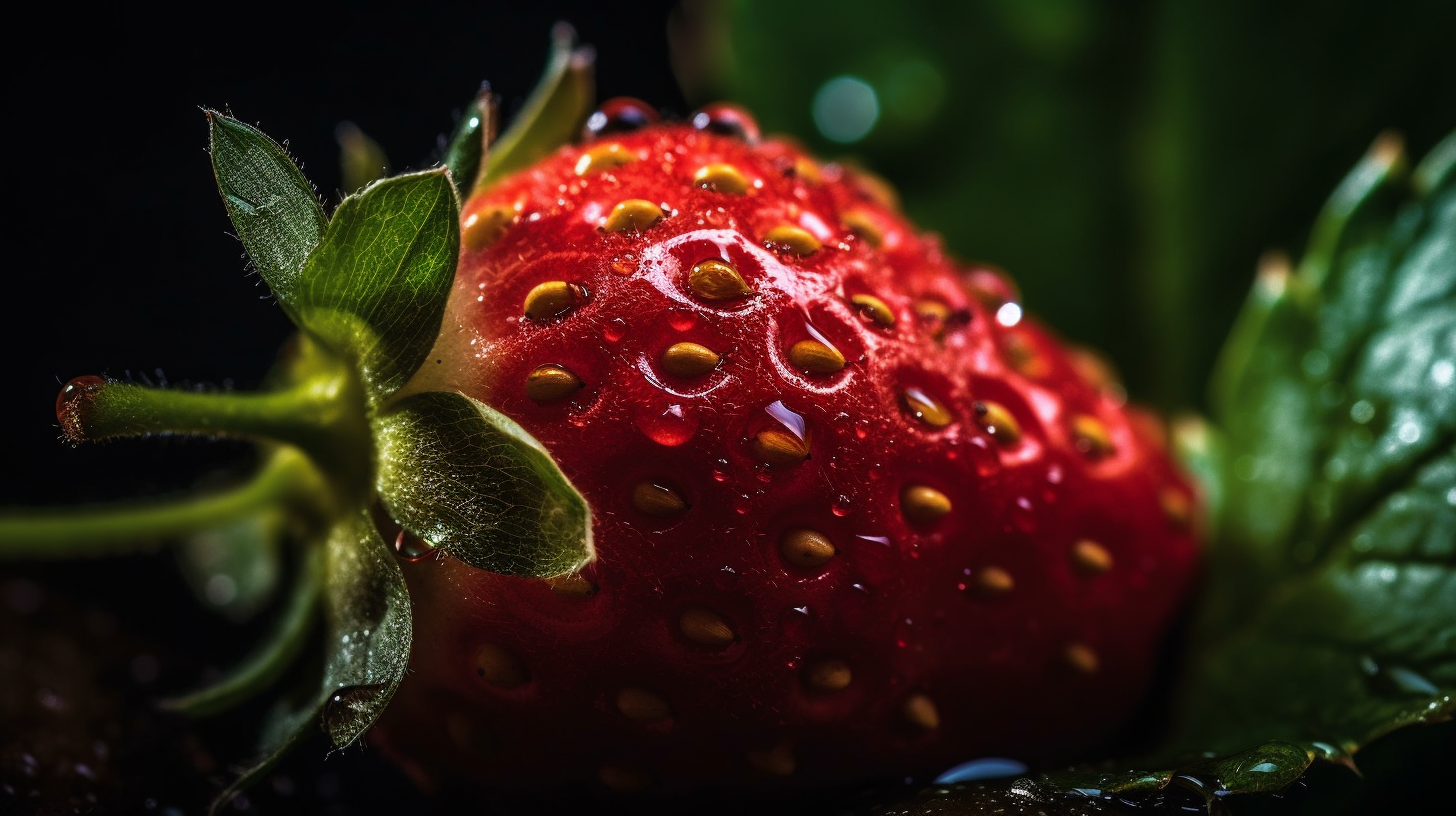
(855, 515)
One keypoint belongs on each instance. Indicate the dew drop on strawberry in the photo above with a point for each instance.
(726, 119)
(623, 114)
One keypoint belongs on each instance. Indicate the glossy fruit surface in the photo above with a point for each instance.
(855, 514)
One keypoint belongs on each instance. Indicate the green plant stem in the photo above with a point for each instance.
(297, 416)
(273, 655)
(288, 477)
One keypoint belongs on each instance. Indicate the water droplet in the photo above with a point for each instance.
(742, 504)
(619, 115)
(614, 330)
(670, 426)
(411, 547)
(720, 470)
(73, 404)
(350, 708)
(1362, 411)
(1009, 314)
(624, 264)
(861, 429)
(1054, 474)
(727, 120)
(681, 319)
(979, 769)
(841, 506)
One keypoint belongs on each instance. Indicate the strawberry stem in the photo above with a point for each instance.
(274, 653)
(287, 478)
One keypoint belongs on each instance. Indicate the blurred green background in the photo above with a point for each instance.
(1126, 162)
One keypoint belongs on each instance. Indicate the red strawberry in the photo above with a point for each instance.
(855, 515)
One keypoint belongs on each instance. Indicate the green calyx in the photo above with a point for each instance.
(347, 455)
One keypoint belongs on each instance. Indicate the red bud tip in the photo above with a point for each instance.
(73, 406)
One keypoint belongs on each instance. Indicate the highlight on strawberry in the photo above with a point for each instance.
(633, 456)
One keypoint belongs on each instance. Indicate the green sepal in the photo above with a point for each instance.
(470, 480)
(465, 154)
(553, 114)
(272, 206)
(273, 655)
(374, 289)
(367, 637)
(1329, 614)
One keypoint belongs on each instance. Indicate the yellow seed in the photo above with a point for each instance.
(485, 226)
(623, 779)
(499, 667)
(1091, 437)
(706, 627)
(806, 548)
(1091, 558)
(632, 215)
(806, 169)
(874, 309)
(572, 584)
(552, 299)
(721, 178)
(776, 761)
(997, 421)
(920, 713)
(934, 315)
(815, 357)
(642, 705)
(689, 360)
(876, 188)
(658, 500)
(603, 157)
(925, 408)
(1080, 658)
(860, 223)
(716, 280)
(795, 239)
(550, 382)
(923, 505)
(827, 675)
(1023, 357)
(1177, 507)
(993, 582)
(780, 448)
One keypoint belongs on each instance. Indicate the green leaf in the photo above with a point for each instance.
(466, 151)
(470, 480)
(271, 204)
(553, 114)
(1330, 611)
(367, 643)
(375, 288)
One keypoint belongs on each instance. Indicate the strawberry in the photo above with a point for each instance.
(671, 458)
(855, 513)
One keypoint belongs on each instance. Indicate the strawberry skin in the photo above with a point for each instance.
(855, 515)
